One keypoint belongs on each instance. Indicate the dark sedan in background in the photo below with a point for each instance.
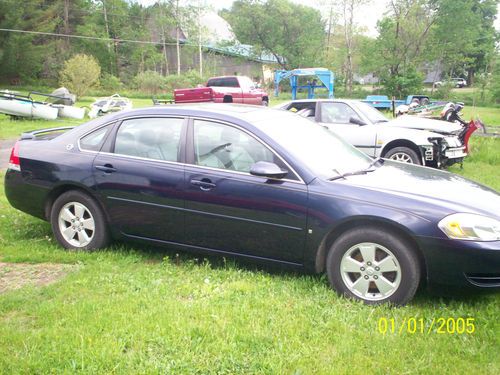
(261, 184)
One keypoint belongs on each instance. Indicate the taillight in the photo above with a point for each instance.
(14, 162)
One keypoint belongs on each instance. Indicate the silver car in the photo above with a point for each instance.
(406, 139)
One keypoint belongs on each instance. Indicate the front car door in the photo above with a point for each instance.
(140, 177)
(231, 211)
(341, 118)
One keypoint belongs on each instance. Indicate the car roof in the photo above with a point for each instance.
(220, 111)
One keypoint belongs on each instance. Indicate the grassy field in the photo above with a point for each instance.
(138, 309)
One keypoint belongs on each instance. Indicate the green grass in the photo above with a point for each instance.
(138, 309)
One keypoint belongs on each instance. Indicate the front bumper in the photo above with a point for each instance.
(441, 156)
(463, 264)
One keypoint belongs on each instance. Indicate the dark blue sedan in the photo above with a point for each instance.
(261, 184)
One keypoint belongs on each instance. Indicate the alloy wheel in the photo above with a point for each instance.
(370, 271)
(402, 157)
(76, 224)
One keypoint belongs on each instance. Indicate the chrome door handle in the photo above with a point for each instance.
(204, 184)
(106, 168)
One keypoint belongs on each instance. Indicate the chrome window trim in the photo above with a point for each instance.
(222, 122)
(90, 132)
(246, 174)
(300, 181)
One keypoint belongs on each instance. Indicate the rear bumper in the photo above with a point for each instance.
(24, 196)
(463, 264)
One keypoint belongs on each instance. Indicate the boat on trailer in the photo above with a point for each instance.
(17, 105)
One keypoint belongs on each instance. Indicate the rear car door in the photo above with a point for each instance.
(139, 176)
(341, 118)
(231, 211)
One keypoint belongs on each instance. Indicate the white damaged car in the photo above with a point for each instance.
(407, 139)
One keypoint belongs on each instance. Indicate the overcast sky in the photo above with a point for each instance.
(367, 16)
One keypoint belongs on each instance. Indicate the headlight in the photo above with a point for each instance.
(470, 227)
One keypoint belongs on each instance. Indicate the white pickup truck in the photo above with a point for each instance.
(407, 139)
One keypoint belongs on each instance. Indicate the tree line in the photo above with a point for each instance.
(456, 37)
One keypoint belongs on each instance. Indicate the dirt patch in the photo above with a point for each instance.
(16, 275)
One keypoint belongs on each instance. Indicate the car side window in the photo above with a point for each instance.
(225, 147)
(337, 113)
(94, 140)
(151, 138)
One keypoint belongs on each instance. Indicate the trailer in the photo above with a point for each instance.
(383, 101)
(326, 80)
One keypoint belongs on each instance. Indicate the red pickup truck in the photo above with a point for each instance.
(228, 89)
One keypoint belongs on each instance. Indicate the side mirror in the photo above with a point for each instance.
(266, 169)
(357, 121)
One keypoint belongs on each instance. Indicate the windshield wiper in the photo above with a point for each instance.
(361, 171)
(381, 120)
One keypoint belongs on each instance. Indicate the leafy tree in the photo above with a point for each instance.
(464, 36)
(80, 74)
(293, 33)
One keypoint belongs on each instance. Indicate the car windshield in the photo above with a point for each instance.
(373, 114)
(319, 149)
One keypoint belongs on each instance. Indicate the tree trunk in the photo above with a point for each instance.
(106, 24)
(165, 58)
(348, 24)
(177, 34)
(200, 52)
(66, 24)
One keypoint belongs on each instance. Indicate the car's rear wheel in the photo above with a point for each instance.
(404, 155)
(374, 266)
(78, 222)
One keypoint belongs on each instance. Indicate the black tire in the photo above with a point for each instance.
(403, 154)
(98, 237)
(405, 285)
(265, 102)
(227, 99)
(424, 101)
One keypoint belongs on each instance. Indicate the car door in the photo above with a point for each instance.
(343, 120)
(250, 94)
(140, 178)
(231, 211)
(232, 87)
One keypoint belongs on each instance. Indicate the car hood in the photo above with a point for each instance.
(414, 122)
(447, 192)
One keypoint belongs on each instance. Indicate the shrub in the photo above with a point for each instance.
(150, 82)
(189, 79)
(110, 83)
(444, 91)
(80, 73)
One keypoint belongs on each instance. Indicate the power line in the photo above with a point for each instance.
(93, 37)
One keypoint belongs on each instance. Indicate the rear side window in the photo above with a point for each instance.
(223, 82)
(95, 140)
(230, 82)
(151, 138)
(214, 82)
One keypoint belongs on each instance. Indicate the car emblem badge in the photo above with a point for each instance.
(69, 146)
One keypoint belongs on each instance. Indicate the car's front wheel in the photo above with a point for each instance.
(404, 155)
(78, 222)
(373, 265)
